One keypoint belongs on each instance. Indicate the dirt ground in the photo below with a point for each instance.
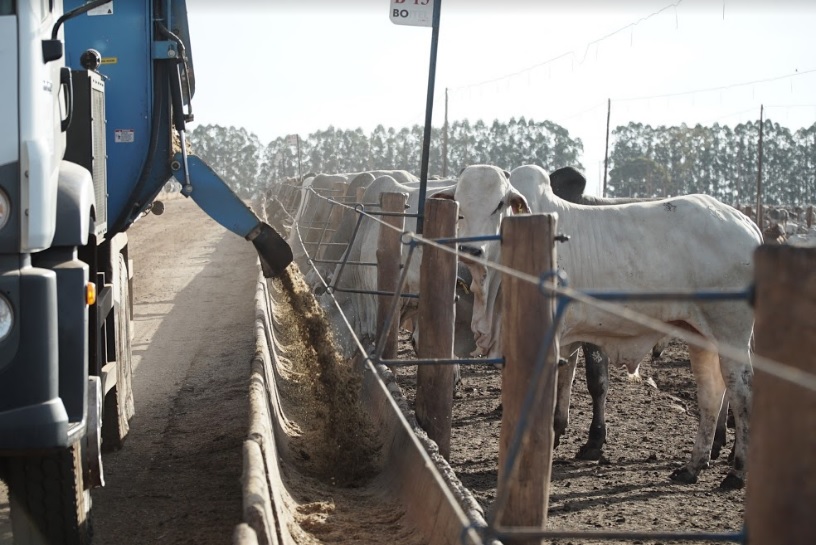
(651, 431)
(177, 480)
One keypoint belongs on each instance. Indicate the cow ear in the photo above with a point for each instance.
(568, 183)
(444, 194)
(517, 202)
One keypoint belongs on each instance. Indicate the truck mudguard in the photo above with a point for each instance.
(75, 202)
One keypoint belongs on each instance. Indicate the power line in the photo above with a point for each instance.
(790, 105)
(633, 25)
(639, 98)
(721, 88)
(571, 53)
(754, 110)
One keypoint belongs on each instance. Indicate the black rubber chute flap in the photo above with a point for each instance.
(274, 253)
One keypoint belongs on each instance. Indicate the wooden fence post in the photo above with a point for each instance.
(437, 288)
(527, 314)
(781, 494)
(389, 258)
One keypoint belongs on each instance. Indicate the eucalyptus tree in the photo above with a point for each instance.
(233, 153)
(780, 172)
(804, 155)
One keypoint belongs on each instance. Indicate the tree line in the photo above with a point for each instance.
(645, 161)
(718, 160)
(249, 166)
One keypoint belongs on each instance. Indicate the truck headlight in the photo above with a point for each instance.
(6, 318)
(5, 208)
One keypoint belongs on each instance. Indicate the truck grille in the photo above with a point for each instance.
(86, 139)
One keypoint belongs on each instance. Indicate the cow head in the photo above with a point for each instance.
(485, 196)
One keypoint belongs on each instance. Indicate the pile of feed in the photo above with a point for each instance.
(331, 464)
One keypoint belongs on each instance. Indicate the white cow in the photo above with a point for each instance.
(692, 242)
(569, 184)
(313, 213)
(338, 240)
(361, 308)
(346, 227)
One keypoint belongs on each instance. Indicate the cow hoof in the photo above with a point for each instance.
(715, 451)
(683, 475)
(587, 452)
(732, 482)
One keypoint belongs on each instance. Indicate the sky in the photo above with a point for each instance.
(278, 67)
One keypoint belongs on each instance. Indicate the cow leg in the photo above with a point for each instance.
(738, 377)
(705, 365)
(597, 377)
(719, 433)
(566, 374)
(660, 347)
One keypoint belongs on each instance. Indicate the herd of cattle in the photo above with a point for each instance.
(689, 242)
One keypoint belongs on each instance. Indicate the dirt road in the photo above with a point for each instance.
(177, 480)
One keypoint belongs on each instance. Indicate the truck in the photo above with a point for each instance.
(95, 98)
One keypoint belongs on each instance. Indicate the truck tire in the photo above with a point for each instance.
(119, 407)
(47, 498)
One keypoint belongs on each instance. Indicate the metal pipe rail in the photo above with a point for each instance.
(442, 361)
(362, 212)
(331, 289)
(520, 533)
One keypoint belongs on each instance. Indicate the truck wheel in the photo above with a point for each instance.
(119, 406)
(47, 498)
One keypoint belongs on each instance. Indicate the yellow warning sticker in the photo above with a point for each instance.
(110, 60)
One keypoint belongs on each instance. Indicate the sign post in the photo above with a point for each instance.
(422, 13)
(294, 140)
